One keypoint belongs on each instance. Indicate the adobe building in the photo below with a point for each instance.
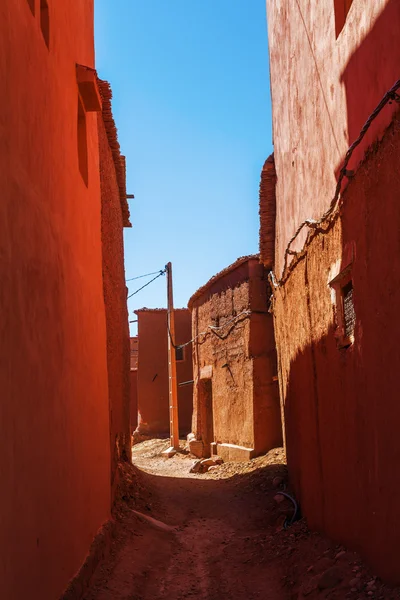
(55, 462)
(336, 265)
(152, 377)
(114, 217)
(236, 411)
(134, 344)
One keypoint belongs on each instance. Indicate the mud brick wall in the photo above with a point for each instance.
(341, 407)
(241, 359)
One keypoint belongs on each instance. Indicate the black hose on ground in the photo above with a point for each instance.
(288, 522)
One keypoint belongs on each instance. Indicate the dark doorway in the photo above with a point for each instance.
(206, 414)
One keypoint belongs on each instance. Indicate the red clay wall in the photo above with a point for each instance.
(244, 410)
(118, 342)
(153, 402)
(134, 400)
(323, 90)
(55, 459)
(341, 406)
(267, 412)
(134, 343)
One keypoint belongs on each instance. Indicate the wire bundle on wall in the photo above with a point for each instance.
(210, 328)
(313, 224)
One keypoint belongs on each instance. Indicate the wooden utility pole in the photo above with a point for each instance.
(173, 388)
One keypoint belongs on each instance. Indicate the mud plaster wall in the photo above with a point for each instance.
(134, 343)
(134, 399)
(341, 407)
(240, 363)
(55, 459)
(323, 90)
(153, 399)
(118, 341)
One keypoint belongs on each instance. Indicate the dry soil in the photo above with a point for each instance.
(219, 535)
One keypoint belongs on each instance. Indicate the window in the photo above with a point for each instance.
(342, 8)
(45, 21)
(349, 315)
(345, 312)
(179, 354)
(82, 142)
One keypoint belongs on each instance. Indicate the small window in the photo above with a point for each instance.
(82, 142)
(45, 21)
(349, 315)
(345, 312)
(31, 4)
(179, 354)
(342, 8)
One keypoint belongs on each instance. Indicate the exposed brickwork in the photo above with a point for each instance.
(118, 158)
(118, 344)
(207, 289)
(235, 396)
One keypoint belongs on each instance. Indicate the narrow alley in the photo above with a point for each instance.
(199, 296)
(218, 535)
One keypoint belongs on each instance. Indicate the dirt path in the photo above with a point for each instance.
(226, 540)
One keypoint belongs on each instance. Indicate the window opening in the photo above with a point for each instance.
(179, 354)
(345, 311)
(349, 315)
(45, 21)
(82, 142)
(342, 8)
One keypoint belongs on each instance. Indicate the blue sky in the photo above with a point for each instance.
(191, 101)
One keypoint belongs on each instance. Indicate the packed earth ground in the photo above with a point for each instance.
(221, 534)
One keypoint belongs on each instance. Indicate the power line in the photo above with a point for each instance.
(141, 276)
(212, 328)
(148, 283)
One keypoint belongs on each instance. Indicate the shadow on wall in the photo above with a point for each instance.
(342, 414)
(371, 71)
(323, 431)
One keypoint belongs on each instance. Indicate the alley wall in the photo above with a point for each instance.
(336, 310)
(231, 409)
(55, 459)
(239, 411)
(134, 347)
(114, 216)
(327, 76)
(152, 377)
(341, 407)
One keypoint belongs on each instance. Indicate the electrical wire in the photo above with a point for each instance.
(212, 328)
(141, 276)
(390, 96)
(146, 284)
